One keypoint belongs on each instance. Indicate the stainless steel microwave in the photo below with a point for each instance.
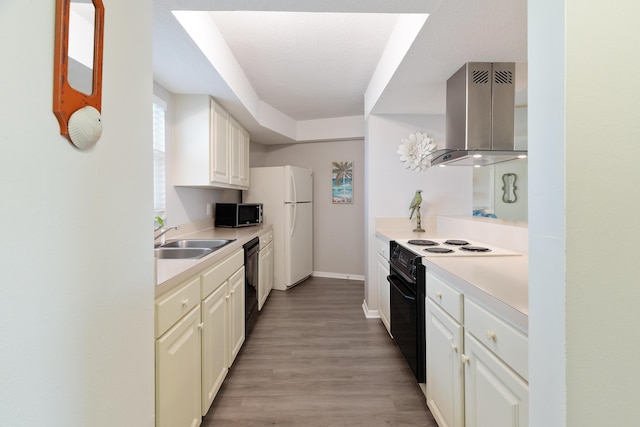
(238, 214)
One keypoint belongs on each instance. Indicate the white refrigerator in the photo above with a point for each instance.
(286, 193)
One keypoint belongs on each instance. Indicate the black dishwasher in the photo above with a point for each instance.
(251, 251)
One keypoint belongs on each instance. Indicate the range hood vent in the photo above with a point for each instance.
(480, 116)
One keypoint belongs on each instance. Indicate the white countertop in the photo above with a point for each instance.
(499, 282)
(172, 272)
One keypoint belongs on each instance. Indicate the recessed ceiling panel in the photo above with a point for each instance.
(308, 65)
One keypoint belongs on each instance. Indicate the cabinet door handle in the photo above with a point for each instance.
(185, 301)
(464, 359)
(439, 295)
(201, 325)
(491, 335)
(228, 296)
(454, 347)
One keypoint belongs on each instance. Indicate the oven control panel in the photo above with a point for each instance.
(404, 260)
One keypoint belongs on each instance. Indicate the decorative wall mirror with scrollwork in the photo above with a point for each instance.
(77, 71)
(509, 188)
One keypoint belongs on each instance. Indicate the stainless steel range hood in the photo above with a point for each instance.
(480, 116)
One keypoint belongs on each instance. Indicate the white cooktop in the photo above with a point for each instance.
(457, 252)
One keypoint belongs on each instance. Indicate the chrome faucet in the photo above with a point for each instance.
(165, 231)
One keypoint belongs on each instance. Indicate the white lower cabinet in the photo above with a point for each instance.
(445, 380)
(495, 396)
(214, 345)
(265, 268)
(236, 314)
(223, 323)
(178, 373)
(476, 362)
(199, 331)
(382, 269)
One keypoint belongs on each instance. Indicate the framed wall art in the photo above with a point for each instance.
(342, 182)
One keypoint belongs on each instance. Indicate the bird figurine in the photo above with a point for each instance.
(415, 208)
(415, 203)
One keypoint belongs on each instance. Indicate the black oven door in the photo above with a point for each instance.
(404, 320)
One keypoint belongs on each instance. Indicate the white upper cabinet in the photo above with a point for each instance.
(219, 152)
(211, 148)
(239, 158)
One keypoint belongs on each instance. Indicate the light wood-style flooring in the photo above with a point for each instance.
(313, 359)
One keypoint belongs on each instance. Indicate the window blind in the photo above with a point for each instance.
(159, 168)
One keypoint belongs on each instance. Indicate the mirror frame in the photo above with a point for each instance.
(66, 99)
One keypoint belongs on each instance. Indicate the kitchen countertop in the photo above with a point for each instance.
(172, 272)
(498, 282)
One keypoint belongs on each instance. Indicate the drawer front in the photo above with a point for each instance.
(218, 274)
(449, 299)
(266, 238)
(383, 248)
(170, 308)
(508, 343)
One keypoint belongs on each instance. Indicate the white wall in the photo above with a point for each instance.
(337, 228)
(76, 323)
(390, 187)
(257, 155)
(583, 291)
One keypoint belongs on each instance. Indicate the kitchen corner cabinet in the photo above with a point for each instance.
(211, 148)
(382, 271)
(476, 362)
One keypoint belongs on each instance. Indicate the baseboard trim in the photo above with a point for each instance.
(369, 314)
(338, 275)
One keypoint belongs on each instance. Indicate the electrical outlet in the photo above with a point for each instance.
(209, 205)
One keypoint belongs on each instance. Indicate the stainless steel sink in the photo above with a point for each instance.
(181, 253)
(197, 243)
(190, 248)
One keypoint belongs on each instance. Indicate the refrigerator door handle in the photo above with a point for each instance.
(293, 219)
(293, 185)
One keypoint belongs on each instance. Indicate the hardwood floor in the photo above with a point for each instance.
(313, 359)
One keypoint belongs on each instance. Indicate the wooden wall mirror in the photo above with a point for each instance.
(77, 87)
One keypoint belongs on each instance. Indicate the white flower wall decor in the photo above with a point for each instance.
(416, 151)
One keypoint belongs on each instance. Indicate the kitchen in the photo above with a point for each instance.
(82, 348)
